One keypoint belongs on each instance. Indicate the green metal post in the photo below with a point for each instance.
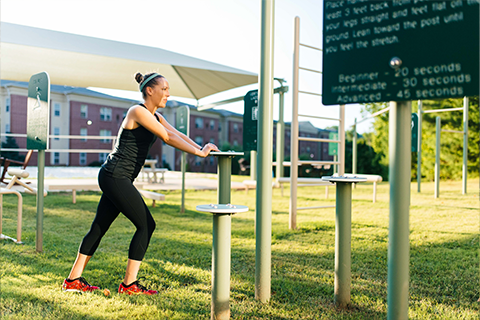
(280, 136)
(399, 178)
(465, 144)
(40, 187)
(354, 148)
(419, 152)
(221, 245)
(253, 165)
(224, 179)
(183, 165)
(343, 236)
(265, 142)
(437, 156)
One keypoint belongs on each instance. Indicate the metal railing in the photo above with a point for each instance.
(295, 138)
(24, 135)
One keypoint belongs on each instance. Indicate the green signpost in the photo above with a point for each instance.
(182, 124)
(38, 123)
(398, 51)
(250, 121)
(414, 132)
(333, 146)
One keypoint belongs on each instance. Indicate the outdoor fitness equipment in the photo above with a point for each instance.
(437, 155)
(294, 130)
(16, 175)
(222, 235)
(343, 237)
(221, 256)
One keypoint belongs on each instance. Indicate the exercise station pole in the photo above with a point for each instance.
(222, 238)
(419, 151)
(399, 178)
(438, 126)
(263, 227)
(465, 145)
(343, 237)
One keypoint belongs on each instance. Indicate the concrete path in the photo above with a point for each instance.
(64, 176)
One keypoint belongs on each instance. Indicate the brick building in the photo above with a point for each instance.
(83, 112)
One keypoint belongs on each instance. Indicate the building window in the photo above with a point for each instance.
(199, 123)
(198, 161)
(7, 105)
(56, 158)
(102, 156)
(199, 140)
(83, 111)
(56, 132)
(105, 114)
(83, 158)
(219, 126)
(7, 128)
(235, 143)
(56, 109)
(235, 127)
(105, 133)
(211, 160)
(212, 124)
(212, 140)
(83, 132)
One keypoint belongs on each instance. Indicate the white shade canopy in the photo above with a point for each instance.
(83, 61)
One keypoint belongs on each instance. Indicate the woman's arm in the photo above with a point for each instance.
(143, 117)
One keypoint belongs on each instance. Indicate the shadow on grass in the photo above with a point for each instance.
(43, 308)
(302, 273)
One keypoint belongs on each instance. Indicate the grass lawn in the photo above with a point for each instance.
(444, 260)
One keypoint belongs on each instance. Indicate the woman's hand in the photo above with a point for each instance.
(207, 149)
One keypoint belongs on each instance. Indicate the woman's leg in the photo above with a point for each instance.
(132, 271)
(129, 201)
(78, 266)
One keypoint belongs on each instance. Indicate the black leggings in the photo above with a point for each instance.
(119, 195)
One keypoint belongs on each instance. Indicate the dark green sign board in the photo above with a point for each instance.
(38, 112)
(250, 121)
(399, 50)
(414, 132)
(182, 121)
(333, 146)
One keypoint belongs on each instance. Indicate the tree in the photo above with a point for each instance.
(451, 143)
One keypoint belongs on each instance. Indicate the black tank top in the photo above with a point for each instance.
(131, 149)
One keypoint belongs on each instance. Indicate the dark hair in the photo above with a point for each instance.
(140, 78)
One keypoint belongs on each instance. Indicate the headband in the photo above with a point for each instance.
(148, 79)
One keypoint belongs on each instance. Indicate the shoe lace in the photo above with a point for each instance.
(140, 286)
(83, 281)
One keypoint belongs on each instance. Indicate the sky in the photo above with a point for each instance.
(222, 31)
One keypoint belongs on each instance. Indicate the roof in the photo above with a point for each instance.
(83, 61)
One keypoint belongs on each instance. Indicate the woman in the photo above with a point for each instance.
(137, 133)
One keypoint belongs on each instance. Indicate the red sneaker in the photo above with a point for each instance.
(135, 288)
(78, 285)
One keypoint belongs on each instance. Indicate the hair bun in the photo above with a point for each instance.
(139, 77)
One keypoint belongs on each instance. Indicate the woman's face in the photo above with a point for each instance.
(160, 93)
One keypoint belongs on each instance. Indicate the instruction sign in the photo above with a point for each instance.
(399, 50)
(182, 121)
(250, 121)
(38, 112)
